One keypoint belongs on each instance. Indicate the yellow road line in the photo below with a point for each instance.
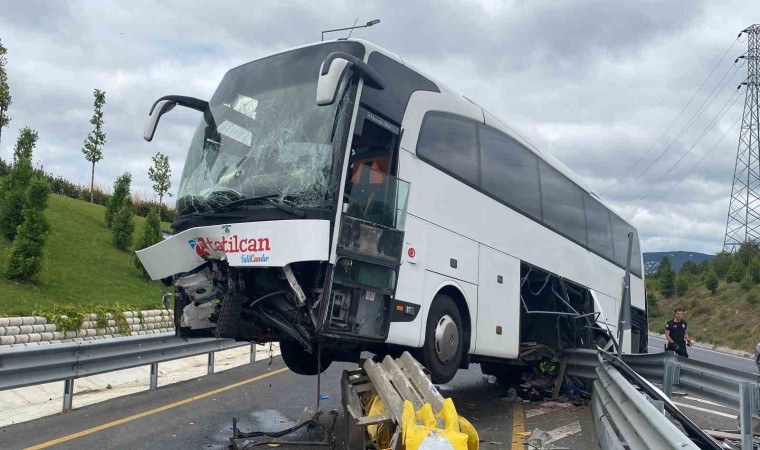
(518, 426)
(153, 411)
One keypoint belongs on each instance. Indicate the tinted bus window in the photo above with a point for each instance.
(451, 144)
(509, 172)
(562, 204)
(598, 227)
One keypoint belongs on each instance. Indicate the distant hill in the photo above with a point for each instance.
(652, 259)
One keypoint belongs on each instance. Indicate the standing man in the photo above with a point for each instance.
(676, 334)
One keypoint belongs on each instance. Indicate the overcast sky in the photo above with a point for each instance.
(595, 83)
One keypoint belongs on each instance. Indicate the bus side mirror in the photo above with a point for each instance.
(335, 67)
(166, 103)
(159, 109)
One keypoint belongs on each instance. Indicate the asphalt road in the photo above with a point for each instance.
(197, 414)
(657, 345)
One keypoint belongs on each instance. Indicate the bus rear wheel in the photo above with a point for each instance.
(300, 361)
(444, 338)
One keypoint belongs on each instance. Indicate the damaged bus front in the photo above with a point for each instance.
(282, 234)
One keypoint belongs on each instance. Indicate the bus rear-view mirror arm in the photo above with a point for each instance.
(336, 66)
(165, 104)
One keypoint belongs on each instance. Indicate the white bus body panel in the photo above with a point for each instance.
(498, 305)
(246, 244)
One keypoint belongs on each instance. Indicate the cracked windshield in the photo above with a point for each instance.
(265, 137)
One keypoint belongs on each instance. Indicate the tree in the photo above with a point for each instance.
(747, 283)
(711, 282)
(123, 227)
(721, 263)
(653, 307)
(754, 269)
(25, 259)
(735, 271)
(682, 286)
(94, 142)
(160, 175)
(664, 267)
(13, 187)
(151, 234)
(5, 91)
(689, 267)
(119, 196)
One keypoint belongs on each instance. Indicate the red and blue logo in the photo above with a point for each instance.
(200, 247)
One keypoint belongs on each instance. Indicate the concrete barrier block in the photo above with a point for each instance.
(12, 331)
(91, 317)
(34, 337)
(46, 337)
(100, 331)
(5, 321)
(91, 332)
(71, 334)
(89, 338)
(44, 343)
(27, 321)
(39, 320)
(77, 339)
(58, 335)
(14, 321)
(56, 341)
(129, 314)
(81, 333)
(26, 329)
(7, 340)
(88, 324)
(18, 345)
(2, 331)
(38, 328)
(22, 338)
(108, 336)
(49, 327)
(135, 327)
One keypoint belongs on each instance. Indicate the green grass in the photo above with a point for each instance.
(727, 318)
(81, 266)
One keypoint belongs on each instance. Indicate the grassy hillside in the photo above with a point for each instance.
(730, 318)
(81, 266)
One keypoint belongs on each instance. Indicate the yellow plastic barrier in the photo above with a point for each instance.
(422, 429)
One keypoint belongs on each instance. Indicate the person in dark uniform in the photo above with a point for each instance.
(676, 334)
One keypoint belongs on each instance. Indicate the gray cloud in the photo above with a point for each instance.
(595, 83)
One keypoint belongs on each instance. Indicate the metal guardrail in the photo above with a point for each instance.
(640, 423)
(28, 366)
(732, 388)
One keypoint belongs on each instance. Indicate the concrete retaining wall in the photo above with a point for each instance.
(28, 331)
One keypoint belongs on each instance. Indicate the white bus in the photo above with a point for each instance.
(334, 196)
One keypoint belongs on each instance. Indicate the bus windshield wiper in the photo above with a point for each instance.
(241, 203)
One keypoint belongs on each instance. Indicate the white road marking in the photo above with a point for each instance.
(565, 431)
(704, 401)
(717, 413)
(535, 412)
(708, 350)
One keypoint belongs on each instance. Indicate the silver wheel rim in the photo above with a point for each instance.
(446, 339)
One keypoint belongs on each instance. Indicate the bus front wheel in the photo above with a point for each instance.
(444, 338)
(300, 361)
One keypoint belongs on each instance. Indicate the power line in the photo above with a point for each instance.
(722, 112)
(676, 119)
(702, 108)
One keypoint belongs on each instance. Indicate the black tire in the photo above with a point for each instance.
(300, 361)
(443, 368)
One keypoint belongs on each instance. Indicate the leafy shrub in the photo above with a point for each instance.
(752, 298)
(682, 286)
(25, 259)
(735, 271)
(151, 234)
(13, 189)
(746, 282)
(653, 306)
(711, 281)
(123, 228)
(120, 194)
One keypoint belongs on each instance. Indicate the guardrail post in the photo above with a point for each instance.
(745, 414)
(668, 378)
(68, 394)
(153, 376)
(253, 353)
(210, 366)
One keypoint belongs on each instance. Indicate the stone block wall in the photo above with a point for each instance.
(35, 330)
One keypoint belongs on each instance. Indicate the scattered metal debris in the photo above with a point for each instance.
(309, 420)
